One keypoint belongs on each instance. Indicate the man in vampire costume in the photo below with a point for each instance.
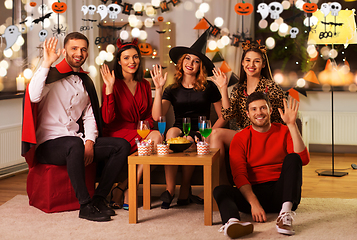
(66, 123)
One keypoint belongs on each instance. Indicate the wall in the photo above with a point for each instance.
(10, 132)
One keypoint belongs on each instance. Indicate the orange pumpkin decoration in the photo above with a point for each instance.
(145, 49)
(160, 19)
(59, 7)
(33, 4)
(309, 7)
(243, 8)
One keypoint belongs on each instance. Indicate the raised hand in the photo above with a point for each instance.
(108, 78)
(219, 78)
(290, 112)
(157, 78)
(49, 52)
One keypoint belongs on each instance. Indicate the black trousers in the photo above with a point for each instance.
(69, 151)
(271, 195)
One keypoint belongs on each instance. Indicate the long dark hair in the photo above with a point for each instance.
(118, 71)
(265, 71)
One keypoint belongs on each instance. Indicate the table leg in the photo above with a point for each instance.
(146, 187)
(215, 179)
(207, 188)
(133, 199)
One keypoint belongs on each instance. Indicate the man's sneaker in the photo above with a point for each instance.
(92, 213)
(284, 223)
(235, 228)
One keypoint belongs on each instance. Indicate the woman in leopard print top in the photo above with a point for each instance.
(255, 75)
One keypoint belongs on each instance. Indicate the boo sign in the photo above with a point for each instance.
(340, 29)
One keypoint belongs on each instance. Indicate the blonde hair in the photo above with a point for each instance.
(199, 84)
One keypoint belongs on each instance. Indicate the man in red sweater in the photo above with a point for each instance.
(266, 161)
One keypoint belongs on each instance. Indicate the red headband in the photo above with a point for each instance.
(120, 45)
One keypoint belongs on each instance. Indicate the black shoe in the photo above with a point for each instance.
(183, 202)
(92, 213)
(112, 203)
(166, 199)
(100, 203)
(195, 199)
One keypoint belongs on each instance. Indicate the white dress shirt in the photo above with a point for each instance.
(60, 105)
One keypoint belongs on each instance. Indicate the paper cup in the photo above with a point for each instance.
(151, 147)
(203, 149)
(143, 150)
(162, 149)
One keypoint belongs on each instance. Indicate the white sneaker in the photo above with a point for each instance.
(235, 228)
(284, 223)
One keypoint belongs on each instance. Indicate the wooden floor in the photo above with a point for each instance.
(314, 186)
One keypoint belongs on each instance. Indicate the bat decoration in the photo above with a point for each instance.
(23, 21)
(161, 32)
(90, 20)
(41, 19)
(111, 27)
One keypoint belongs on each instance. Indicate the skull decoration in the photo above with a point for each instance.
(91, 9)
(293, 32)
(113, 10)
(42, 34)
(275, 9)
(335, 8)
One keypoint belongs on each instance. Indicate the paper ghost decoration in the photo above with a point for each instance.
(113, 10)
(293, 32)
(263, 9)
(44, 8)
(42, 34)
(335, 7)
(91, 9)
(84, 9)
(103, 11)
(11, 34)
(275, 8)
(325, 9)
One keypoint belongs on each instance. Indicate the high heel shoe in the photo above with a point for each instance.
(112, 203)
(166, 199)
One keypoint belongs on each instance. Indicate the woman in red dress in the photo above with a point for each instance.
(127, 99)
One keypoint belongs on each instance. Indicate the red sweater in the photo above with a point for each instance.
(258, 157)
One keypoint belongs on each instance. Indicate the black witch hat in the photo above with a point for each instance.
(198, 49)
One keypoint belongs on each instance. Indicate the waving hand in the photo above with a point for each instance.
(49, 52)
(157, 77)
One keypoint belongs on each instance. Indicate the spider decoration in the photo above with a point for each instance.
(58, 30)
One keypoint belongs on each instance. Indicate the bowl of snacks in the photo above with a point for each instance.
(179, 144)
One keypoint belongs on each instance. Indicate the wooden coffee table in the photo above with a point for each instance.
(210, 163)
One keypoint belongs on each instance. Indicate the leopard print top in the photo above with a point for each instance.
(238, 101)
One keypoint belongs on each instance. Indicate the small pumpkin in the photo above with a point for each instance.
(145, 49)
(309, 7)
(33, 4)
(243, 8)
(160, 19)
(59, 7)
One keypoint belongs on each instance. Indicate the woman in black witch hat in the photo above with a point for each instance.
(191, 95)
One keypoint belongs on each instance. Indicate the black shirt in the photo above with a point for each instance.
(190, 103)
